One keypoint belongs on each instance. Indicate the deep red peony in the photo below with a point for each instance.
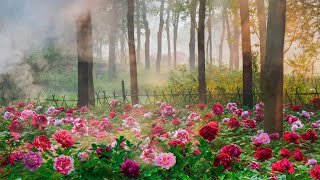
(285, 153)
(315, 172)
(251, 124)
(210, 131)
(232, 150)
(291, 137)
(224, 160)
(263, 153)
(42, 143)
(283, 166)
(233, 123)
(297, 154)
(310, 135)
(40, 122)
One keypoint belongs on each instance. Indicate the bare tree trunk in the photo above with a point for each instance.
(147, 34)
(122, 50)
(236, 40)
(138, 31)
(85, 60)
(210, 34)
(175, 37)
(263, 34)
(222, 36)
(132, 54)
(230, 44)
(192, 43)
(168, 34)
(159, 54)
(201, 54)
(112, 40)
(273, 85)
(246, 54)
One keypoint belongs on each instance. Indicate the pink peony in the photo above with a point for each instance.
(148, 154)
(194, 116)
(63, 164)
(217, 109)
(40, 122)
(26, 114)
(165, 160)
(130, 122)
(80, 127)
(263, 138)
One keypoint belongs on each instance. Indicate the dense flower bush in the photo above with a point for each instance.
(120, 141)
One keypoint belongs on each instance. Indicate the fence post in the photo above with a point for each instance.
(123, 91)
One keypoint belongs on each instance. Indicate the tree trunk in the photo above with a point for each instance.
(192, 43)
(273, 85)
(210, 34)
(147, 35)
(175, 37)
(236, 40)
(230, 43)
(222, 36)
(168, 34)
(246, 54)
(85, 60)
(122, 51)
(201, 54)
(112, 40)
(138, 32)
(263, 34)
(132, 54)
(159, 54)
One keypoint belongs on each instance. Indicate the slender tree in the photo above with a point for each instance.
(222, 35)
(113, 32)
(201, 54)
(85, 60)
(192, 42)
(210, 30)
(147, 35)
(230, 43)
(168, 33)
(159, 54)
(132, 53)
(236, 31)
(138, 12)
(262, 32)
(273, 85)
(176, 18)
(246, 54)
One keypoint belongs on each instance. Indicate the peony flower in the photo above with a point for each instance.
(263, 153)
(165, 160)
(251, 124)
(274, 136)
(176, 121)
(40, 122)
(263, 138)
(210, 131)
(182, 135)
(83, 156)
(306, 115)
(130, 122)
(42, 143)
(130, 169)
(292, 119)
(310, 135)
(148, 154)
(224, 160)
(7, 115)
(259, 111)
(64, 164)
(232, 150)
(217, 109)
(312, 162)
(32, 161)
(158, 129)
(39, 108)
(148, 115)
(114, 103)
(232, 107)
(26, 114)
(64, 138)
(80, 127)
(285, 153)
(225, 120)
(16, 126)
(100, 152)
(291, 137)
(176, 142)
(168, 111)
(255, 166)
(283, 166)
(315, 172)
(105, 125)
(194, 116)
(245, 114)
(233, 123)
(297, 154)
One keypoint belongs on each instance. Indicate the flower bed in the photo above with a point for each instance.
(161, 142)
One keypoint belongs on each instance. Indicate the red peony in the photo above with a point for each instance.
(210, 131)
(176, 142)
(224, 160)
(113, 113)
(16, 126)
(285, 153)
(127, 108)
(291, 137)
(274, 136)
(315, 172)
(296, 108)
(297, 154)
(40, 122)
(217, 109)
(233, 123)
(283, 166)
(158, 129)
(310, 135)
(208, 116)
(249, 123)
(64, 138)
(42, 143)
(175, 121)
(202, 106)
(263, 153)
(231, 149)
